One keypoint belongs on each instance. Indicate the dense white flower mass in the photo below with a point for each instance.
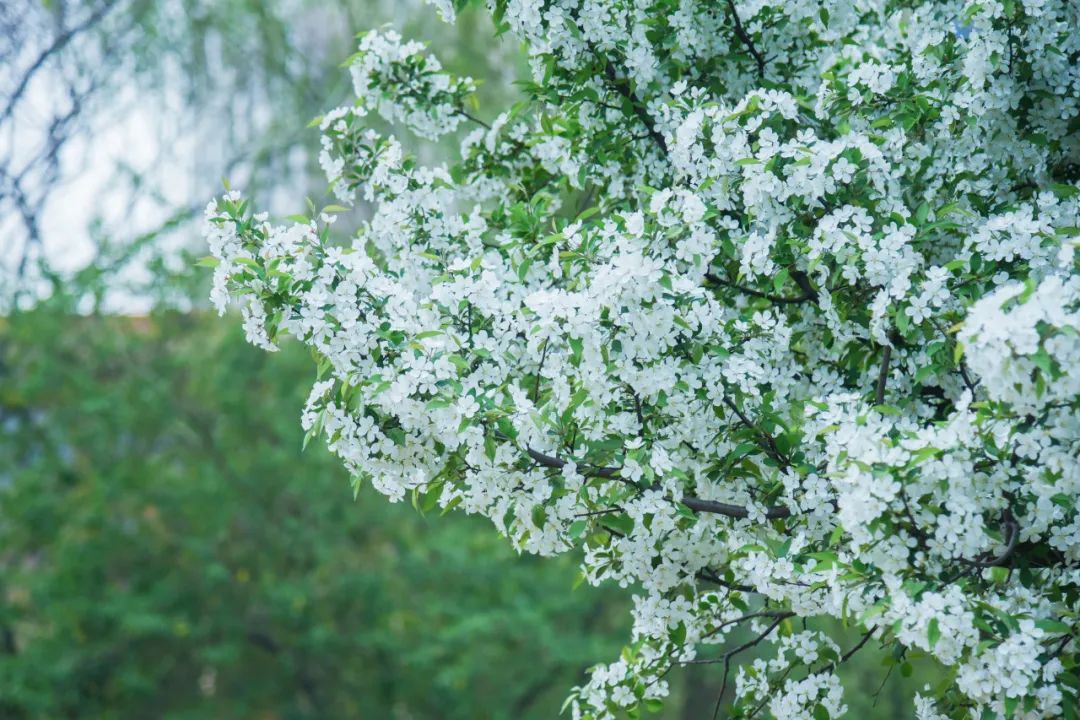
(771, 307)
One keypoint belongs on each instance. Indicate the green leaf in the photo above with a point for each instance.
(576, 346)
(782, 551)
(678, 635)
(922, 213)
(523, 268)
(1053, 626)
(1069, 706)
(1062, 500)
(781, 279)
(933, 632)
(654, 705)
(1043, 361)
(620, 523)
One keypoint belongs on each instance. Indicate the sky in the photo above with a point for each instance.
(147, 145)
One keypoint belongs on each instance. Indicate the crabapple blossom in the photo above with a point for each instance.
(772, 309)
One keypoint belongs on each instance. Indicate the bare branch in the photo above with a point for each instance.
(57, 45)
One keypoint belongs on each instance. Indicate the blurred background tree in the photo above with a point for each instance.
(165, 551)
(118, 117)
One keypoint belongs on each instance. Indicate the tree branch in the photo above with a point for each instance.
(539, 370)
(709, 575)
(750, 616)
(883, 376)
(850, 653)
(622, 87)
(776, 512)
(57, 45)
(746, 40)
(694, 503)
(807, 296)
(745, 646)
(550, 461)
(770, 442)
(469, 116)
(1011, 542)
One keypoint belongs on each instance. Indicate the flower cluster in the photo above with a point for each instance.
(771, 308)
(407, 85)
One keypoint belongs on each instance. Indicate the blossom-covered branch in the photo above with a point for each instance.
(809, 350)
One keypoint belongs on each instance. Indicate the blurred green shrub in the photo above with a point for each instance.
(165, 552)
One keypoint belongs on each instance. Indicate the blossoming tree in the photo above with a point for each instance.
(770, 307)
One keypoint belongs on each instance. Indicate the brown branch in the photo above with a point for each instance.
(1011, 542)
(733, 511)
(960, 366)
(694, 503)
(803, 281)
(745, 646)
(746, 40)
(550, 461)
(744, 618)
(883, 376)
(770, 442)
(622, 87)
(710, 575)
(779, 618)
(807, 296)
(858, 646)
(539, 369)
(469, 116)
(850, 653)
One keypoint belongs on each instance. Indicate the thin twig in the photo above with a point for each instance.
(778, 299)
(694, 503)
(883, 376)
(850, 653)
(469, 116)
(744, 618)
(743, 36)
(622, 87)
(1013, 538)
(711, 576)
(736, 651)
(770, 442)
(539, 370)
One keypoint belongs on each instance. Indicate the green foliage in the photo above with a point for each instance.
(166, 552)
